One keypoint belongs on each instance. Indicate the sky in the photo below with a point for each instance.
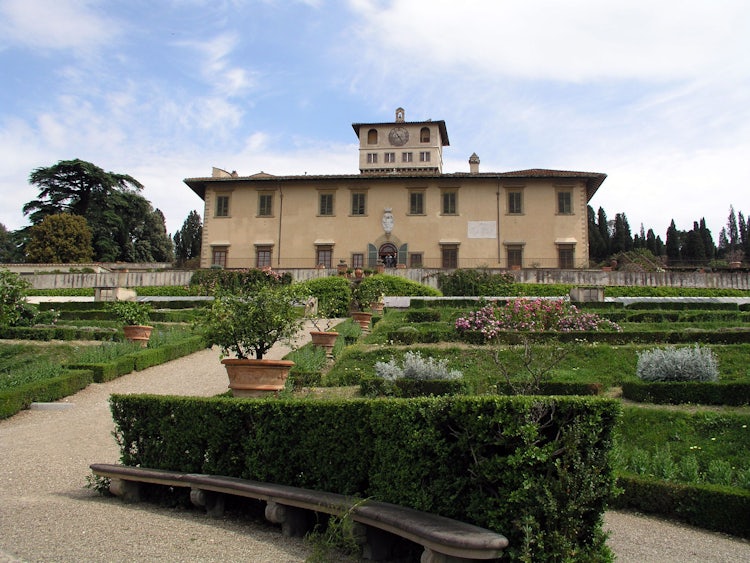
(654, 94)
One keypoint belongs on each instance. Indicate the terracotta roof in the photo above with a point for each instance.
(593, 179)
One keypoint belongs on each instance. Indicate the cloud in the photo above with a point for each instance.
(215, 66)
(574, 41)
(55, 24)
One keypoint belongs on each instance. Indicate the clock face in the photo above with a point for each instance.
(398, 136)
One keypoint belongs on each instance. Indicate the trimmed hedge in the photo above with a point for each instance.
(46, 333)
(536, 469)
(680, 392)
(409, 388)
(684, 305)
(19, 398)
(560, 388)
(710, 507)
(143, 359)
(422, 316)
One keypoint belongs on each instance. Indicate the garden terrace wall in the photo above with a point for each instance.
(536, 469)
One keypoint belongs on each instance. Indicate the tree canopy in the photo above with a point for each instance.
(124, 225)
(62, 238)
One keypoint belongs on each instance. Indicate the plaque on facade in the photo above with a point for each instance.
(482, 229)
(387, 220)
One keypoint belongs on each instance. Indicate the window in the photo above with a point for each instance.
(515, 255)
(265, 205)
(372, 157)
(358, 260)
(424, 156)
(359, 203)
(449, 255)
(407, 157)
(415, 259)
(324, 256)
(222, 206)
(515, 202)
(262, 256)
(325, 204)
(565, 256)
(416, 202)
(372, 137)
(390, 157)
(564, 202)
(449, 202)
(219, 256)
(424, 135)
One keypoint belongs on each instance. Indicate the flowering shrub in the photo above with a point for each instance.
(532, 315)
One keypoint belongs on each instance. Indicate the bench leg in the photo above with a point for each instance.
(379, 545)
(211, 501)
(430, 556)
(295, 522)
(129, 491)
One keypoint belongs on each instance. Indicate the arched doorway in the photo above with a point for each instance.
(388, 255)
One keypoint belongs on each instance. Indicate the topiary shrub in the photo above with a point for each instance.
(677, 364)
(463, 282)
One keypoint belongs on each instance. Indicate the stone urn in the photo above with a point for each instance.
(256, 378)
(325, 340)
(138, 333)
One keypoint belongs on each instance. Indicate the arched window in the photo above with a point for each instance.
(424, 135)
(372, 137)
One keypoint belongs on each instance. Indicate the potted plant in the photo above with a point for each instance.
(246, 323)
(322, 319)
(135, 317)
(364, 293)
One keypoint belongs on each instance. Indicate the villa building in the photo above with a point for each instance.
(400, 210)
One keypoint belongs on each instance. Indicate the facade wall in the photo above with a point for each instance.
(481, 229)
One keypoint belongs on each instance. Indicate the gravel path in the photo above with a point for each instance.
(46, 514)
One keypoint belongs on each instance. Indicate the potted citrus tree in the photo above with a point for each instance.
(322, 320)
(135, 317)
(245, 324)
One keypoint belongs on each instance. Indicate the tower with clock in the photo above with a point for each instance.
(401, 146)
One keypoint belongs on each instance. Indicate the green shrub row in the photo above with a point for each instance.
(536, 469)
(101, 305)
(19, 398)
(146, 358)
(734, 336)
(675, 393)
(205, 282)
(181, 316)
(409, 388)
(559, 388)
(683, 305)
(676, 316)
(710, 507)
(422, 316)
(46, 333)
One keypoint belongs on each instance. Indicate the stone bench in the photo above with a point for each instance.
(444, 540)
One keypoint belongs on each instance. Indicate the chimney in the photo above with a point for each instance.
(474, 164)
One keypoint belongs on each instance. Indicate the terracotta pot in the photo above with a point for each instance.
(376, 307)
(138, 333)
(358, 273)
(325, 340)
(257, 378)
(363, 318)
